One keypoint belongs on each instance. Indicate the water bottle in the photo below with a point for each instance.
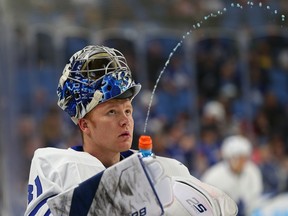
(145, 146)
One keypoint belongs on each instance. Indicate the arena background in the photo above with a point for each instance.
(233, 60)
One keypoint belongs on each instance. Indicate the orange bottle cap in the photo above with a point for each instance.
(145, 142)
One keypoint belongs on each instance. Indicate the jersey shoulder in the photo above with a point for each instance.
(58, 157)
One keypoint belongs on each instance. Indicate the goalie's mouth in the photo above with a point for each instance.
(125, 134)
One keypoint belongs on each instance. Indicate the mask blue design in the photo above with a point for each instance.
(94, 75)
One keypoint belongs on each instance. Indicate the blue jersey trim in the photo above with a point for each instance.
(47, 213)
(126, 154)
(40, 204)
(83, 196)
(78, 148)
(123, 154)
(152, 186)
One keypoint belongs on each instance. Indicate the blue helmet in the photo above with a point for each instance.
(94, 75)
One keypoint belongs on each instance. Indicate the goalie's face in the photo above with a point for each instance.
(108, 128)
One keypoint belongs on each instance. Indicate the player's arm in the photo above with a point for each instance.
(43, 184)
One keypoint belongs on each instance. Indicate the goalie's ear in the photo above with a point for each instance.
(83, 125)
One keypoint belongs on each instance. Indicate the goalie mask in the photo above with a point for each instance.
(94, 75)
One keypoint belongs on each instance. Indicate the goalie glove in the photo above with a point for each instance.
(182, 194)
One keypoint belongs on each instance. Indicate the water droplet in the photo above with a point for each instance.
(260, 4)
(275, 11)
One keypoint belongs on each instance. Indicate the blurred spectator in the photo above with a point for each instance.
(216, 66)
(180, 144)
(278, 76)
(214, 114)
(261, 127)
(26, 132)
(275, 113)
(207, 75)
(235, 115)
(259, 84)
(272, 165)
(229, 75)
(29, 146)
(51, 128)
(160, 143)
(212, 127)
(236, 174)
(155, 123)
(155, 61)
(183, 10)
(208, 146)
(174, 87)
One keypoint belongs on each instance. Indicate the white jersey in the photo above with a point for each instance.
(247, 186)
(69, 182)
(54, 171)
